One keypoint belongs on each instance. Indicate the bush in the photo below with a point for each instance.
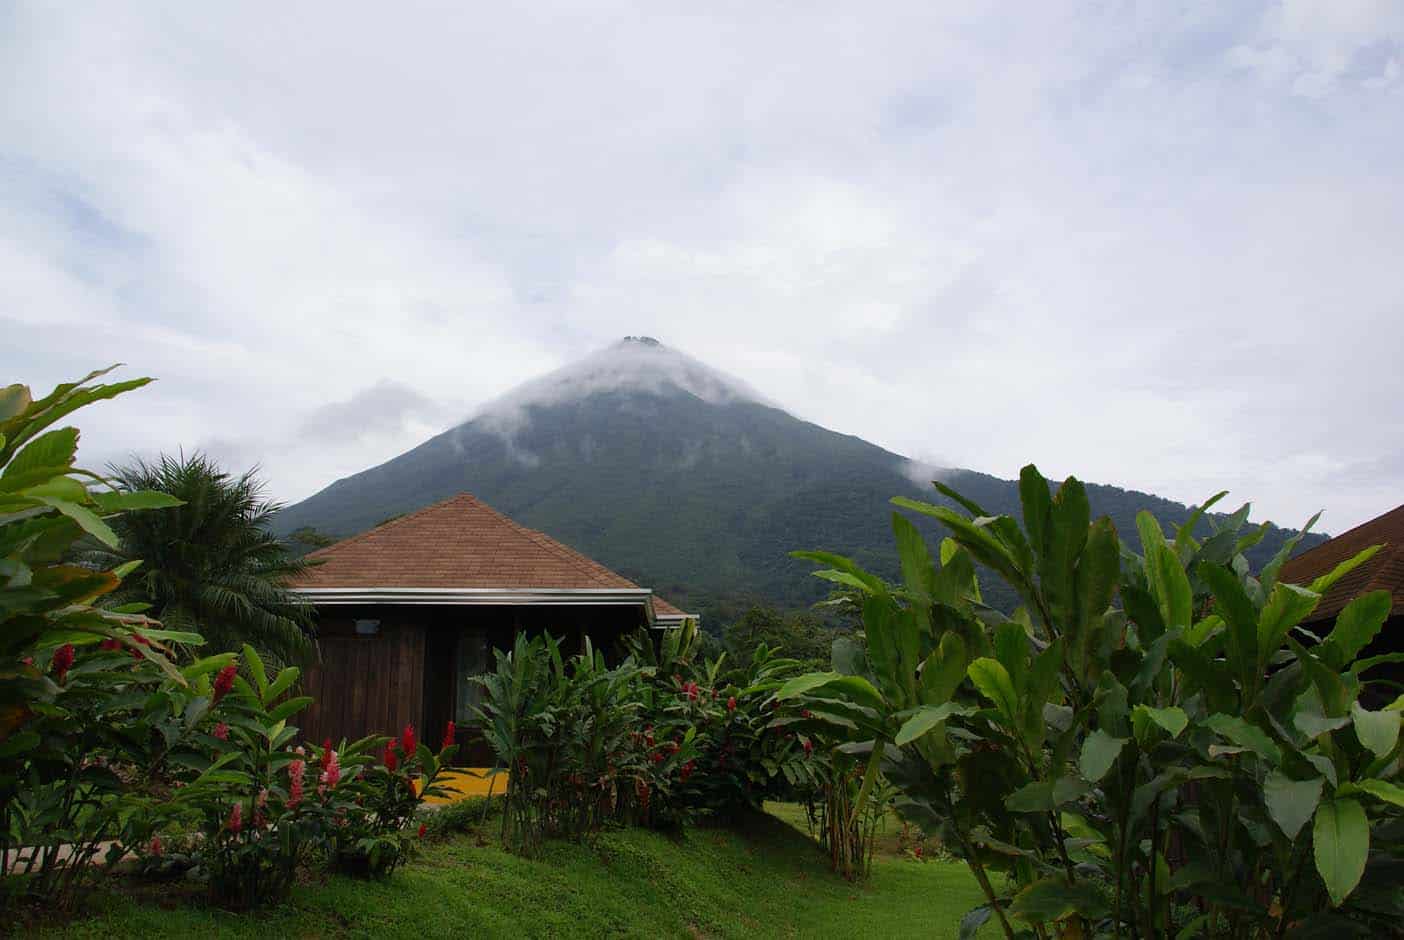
(1188, 761)
(654, 741)
(90, 706)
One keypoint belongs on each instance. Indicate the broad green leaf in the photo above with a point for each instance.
(918, 571)
(1356, 625)
(1098, 569)
(1378, 732)
(1291, 802)
(255, 666)
(1046, 795)
(1383, 790)
(48, 455)
(1268, 576)
(1341, 840)
(869, 582)
(855, 687)
(1174, 595)
(944, 670)
(122, 501)
(993, 682)
(85, 518)
(1037, 505)
(1053, 899)
(1285, 608)
(1173, 720)
(1184, 535)
(1099, 752)
(1323, 584)
(925, 718)
(1247, 735)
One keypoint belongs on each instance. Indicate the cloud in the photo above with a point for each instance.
(1151, 245)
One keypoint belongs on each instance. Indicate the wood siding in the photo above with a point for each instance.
(365, 684)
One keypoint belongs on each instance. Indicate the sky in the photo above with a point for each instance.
(1150, 244)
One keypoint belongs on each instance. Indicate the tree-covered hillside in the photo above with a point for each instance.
(702, 497)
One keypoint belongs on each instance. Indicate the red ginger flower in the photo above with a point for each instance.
(731, 704)
(389, 759)
(224, 682)
(260, 813)
(63, 661)
(327, 754)
(407, 741)
(111, 644)
(331, 770)
(221, 731)
(808, 746)
(236, 818)
(297, 769)
(155, 848)
(422, 829)
(449, 731)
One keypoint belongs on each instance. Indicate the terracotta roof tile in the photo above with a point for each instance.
(1385, 571)
(458, 543)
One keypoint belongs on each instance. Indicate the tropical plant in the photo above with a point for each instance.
(371, 834)
(1145, 769)
(212, 560)
(83, 731)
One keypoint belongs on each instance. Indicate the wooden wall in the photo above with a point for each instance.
(365, 684)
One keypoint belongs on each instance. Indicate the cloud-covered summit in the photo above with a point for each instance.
(634, 364)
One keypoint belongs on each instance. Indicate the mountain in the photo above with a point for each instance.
(679, 477)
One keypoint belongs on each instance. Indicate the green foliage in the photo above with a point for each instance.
(88, 715)
(654, 741)
(798, 635)
(1116, 763)
(212, 560)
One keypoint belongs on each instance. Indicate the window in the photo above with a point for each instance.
(474, 659)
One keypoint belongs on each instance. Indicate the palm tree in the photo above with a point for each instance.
(211, 566)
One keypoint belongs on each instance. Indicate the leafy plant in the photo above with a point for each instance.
(1141, 769)
(83, 732)
(211, 560)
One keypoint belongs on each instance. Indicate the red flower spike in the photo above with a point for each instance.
(155, 849)
(328, 755)
(297, 769)
(808, 747)
(236, 818)
(422, 829)
(449, 733)
(391, 762)
(63, 661)
(224, 682)
(407, 742)
(221, 731)
(731, 704)
(111, 644)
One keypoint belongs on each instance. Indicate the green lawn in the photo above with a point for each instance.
(761, 879)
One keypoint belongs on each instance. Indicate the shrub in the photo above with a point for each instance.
(371, 832)
(1189, 760)
(89, 707)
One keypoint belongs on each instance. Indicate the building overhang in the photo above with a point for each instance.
(493, 597)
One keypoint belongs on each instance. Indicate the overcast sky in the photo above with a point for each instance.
(1153, 244)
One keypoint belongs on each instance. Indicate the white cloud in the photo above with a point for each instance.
(1155, 247)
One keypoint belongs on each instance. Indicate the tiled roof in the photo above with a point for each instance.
(1385, 571)
(460, 542)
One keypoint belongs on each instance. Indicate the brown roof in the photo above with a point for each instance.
(1385, 571)
(460, 542)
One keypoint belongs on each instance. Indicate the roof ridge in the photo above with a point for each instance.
(391, 523)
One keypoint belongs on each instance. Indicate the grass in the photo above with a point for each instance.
(761, 879)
